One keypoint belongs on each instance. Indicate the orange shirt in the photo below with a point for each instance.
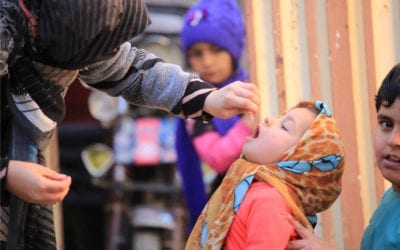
(261, 221)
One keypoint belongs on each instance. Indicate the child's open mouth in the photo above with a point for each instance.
(256, 132)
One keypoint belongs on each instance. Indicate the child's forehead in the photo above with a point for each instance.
(203, 45)
(297, 112)
(392, 112)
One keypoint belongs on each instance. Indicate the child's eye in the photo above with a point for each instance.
(217, 49)
(386, 124)
(195, 54)
(283, 127)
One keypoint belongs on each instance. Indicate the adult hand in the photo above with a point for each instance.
(235, 98)
(308, 241)
(35, 183)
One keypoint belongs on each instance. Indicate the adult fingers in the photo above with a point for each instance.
(240, 103)
(57, 186)
(296, 245)
(52, 175)
(55, 191)
(248, 91)
(236, 98)
(303, 232)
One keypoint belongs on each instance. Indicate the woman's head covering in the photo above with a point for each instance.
(314, 166)
(75, 33)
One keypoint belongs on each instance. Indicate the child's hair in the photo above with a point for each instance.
(308, 105)
(389, 90)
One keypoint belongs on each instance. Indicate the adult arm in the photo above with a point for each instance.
(144, 79)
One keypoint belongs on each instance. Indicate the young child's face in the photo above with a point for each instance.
(387, 143)
(211, 62)
(275, 136)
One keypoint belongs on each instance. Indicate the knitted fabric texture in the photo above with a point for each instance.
(76, 33)
(219, 22)
(308, 177)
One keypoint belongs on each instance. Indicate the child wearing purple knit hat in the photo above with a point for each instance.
(218, 22)
(213, 38)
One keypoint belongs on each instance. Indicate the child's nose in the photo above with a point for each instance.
(394, 138)
(208, 59)
(270, 120)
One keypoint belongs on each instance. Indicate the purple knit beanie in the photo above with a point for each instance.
(215, 21)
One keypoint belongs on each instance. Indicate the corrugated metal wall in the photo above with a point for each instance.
(338, 51)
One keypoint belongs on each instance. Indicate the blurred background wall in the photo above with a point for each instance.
(337, 51)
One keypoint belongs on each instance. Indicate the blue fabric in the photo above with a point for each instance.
(383, 231)
(189, 164)
(189, 167)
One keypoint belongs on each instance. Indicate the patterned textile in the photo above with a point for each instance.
(308, 177)
(77, 33)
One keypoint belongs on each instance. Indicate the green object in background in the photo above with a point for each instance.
(97, 158)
